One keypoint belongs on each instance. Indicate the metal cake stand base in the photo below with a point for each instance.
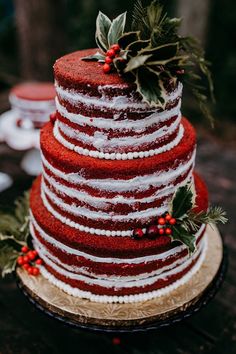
(153, 314)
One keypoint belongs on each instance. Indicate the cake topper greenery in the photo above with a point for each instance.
(153, 55)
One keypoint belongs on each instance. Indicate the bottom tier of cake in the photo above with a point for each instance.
(106, 273)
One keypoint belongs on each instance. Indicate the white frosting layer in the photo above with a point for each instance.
(139, 183)
(119, 103)
(138, 126)
(121, 282)
(100, 215)
(103, 202)
(127, 298)
(62, 268)
(37, 111)
(101, 141)
(97, 259)
(114, 155)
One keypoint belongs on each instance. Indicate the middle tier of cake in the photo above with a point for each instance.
(112, 198)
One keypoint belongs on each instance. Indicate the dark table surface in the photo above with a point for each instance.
(25, 330)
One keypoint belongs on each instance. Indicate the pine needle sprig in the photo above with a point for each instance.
(212, 216)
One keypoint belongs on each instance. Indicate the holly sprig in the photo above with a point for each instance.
(14, 233)
(153, 55)
(181, 221)
(188, 221)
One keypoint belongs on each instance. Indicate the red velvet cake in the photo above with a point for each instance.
(111, 165)
(33, 102)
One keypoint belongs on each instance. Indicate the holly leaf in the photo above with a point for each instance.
(95, 57)
(137, 46)
(116, 29)
(8, 259)
(103, 24)
(163, 52)
(182, 202)
(150, 87)
(136, 62)
(128, 38)
(180, 234)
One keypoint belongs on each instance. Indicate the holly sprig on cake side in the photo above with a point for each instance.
(15, 248)
(181, 220)
(153, 55)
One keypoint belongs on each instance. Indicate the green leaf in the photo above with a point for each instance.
(116, 29)
(182, 235)
(137, 46)
(136, 62)
(8, 258)
(103, 24)
(95, 57)
(163, 52)
(150, 87)
(15, 226)
(11, 238)
(128, 38)
(183, 201)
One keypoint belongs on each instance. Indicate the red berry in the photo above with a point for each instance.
(111, 53)
(152, 231)
(26, 259)
(31, 255)
(35, 271)
(115, 47)
(20, 260)
(108, 60)
(53, 117)
(106, 68)
(172, 221)
(168, 217)
(161, 221)
(161, 231)
(24, 249)
(168, 231)
(26, 266)
(138, 233)
(39, 261)
(35, 253)
(116, 341)
(30, 270)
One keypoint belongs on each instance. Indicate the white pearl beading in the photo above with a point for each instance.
(118, 156)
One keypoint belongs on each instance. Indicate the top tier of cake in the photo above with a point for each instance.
(102, 116)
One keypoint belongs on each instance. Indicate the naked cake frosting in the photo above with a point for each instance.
(117, 168)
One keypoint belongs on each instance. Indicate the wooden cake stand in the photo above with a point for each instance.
(141, 316)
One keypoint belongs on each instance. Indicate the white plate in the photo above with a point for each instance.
(17, 138)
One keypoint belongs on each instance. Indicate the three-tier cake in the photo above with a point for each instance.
(111, 165)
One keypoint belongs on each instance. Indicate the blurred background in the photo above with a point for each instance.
(33, 34)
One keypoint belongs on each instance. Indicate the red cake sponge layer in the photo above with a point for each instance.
(104, 246)
(72, 72)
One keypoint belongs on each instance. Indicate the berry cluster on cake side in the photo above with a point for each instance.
(119, 215)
